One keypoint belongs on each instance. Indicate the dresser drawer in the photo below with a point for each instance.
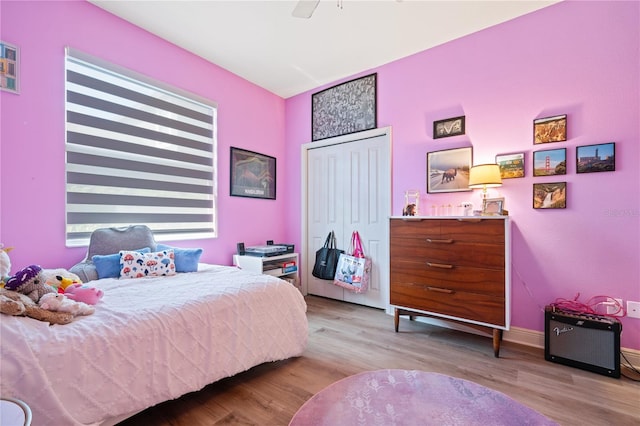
(460, 253)
(489, 282)
(458, 304)
(472, 229)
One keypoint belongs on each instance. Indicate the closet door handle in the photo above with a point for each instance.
(435, 241)
(440, 290)
(439, 265)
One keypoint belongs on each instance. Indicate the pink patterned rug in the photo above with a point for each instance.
(404, 397)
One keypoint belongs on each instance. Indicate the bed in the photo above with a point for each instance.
(150, 340)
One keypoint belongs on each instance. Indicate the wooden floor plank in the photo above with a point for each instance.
(346, 339)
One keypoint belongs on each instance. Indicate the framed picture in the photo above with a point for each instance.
(511, 165)
(448, 170)
(550, 162)
(596, 158)
(252, 174)
(550, 195)
(345, 108)
(550, 129)
(492, 206)
(9, 63)
(449, 127)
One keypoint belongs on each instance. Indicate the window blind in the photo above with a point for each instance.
(137, 152)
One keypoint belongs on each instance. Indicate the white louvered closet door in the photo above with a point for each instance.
(348, 187)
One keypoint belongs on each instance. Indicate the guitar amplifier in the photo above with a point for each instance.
(589, 342)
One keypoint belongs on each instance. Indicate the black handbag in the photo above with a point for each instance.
(327, 259)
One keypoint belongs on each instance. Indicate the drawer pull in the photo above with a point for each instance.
(473, 220)
(434, 241)
(440, 290)
(439, 265)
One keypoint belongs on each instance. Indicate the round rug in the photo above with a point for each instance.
(410, 397)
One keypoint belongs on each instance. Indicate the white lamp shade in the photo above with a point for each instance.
(485, 176)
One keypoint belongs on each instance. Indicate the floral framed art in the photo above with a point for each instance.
(448, 170)
(346, 108)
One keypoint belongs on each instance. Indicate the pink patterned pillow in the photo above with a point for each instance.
(134, 264)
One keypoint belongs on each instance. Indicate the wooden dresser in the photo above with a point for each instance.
(452, 268)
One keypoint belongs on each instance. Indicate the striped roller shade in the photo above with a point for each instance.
(137, 152)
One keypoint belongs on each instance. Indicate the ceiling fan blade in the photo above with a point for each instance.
(304, 8)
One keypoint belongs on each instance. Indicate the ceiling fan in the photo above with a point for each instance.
(305, 8)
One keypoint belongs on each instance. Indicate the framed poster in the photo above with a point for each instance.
(252, 174)
(550, 195)
(345, 108)
(449, 127)
(596, 158)
(511, 165)
(550, 162)
(550, 129)
(9, 62)
(448, 170)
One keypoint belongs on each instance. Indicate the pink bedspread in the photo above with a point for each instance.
(150, 340)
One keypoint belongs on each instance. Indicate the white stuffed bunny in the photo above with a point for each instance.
(61, 303)
(5, 262)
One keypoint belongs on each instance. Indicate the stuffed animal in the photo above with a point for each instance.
(14, 303)
(29, 281)
(5, 263)
(83, 293)
(60, 279)
(60, 303)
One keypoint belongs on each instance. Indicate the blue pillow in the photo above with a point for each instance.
(186, 259)
(108, 265)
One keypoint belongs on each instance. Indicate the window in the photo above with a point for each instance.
(137, 152)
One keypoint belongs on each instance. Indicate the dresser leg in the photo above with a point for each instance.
(396, 318)
(497, 338)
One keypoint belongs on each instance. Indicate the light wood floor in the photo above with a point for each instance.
(345, 339)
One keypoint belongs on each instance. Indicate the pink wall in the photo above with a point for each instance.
(575, 58)
(32, 135)
(578, 58)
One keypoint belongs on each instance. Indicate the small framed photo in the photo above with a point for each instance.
(252, 174)
(492, 206)
(9, 63)
(551, 195)
(511, 165)
(448, 170)
(449, 127)
(550, 129)
(550, 162)
(596, 158)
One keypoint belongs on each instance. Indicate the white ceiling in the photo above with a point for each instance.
(261, 42)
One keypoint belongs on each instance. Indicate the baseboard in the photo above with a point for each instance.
(523, 336)
(535, 339)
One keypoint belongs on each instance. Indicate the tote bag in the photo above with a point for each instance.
(353, 269)
(327, 259)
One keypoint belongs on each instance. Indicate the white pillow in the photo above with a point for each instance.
(134, 264)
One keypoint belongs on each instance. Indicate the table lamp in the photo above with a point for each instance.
(484, 176)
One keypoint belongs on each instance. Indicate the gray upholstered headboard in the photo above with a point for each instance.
(105, 241)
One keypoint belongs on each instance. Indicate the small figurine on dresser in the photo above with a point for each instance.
(411, 200)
